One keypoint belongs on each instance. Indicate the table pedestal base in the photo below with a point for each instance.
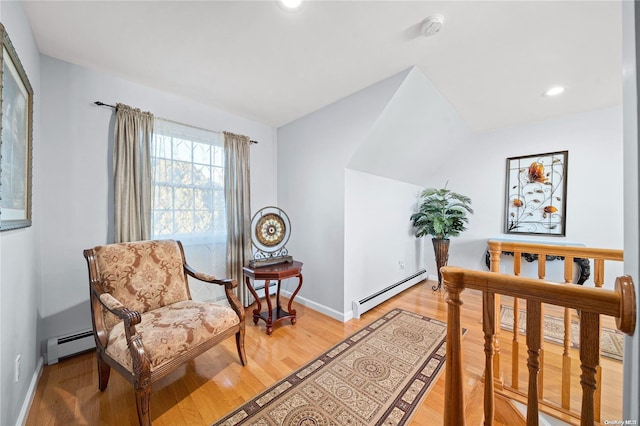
(275, 314)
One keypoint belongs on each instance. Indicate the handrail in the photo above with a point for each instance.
(619, 303)
(559, 250)
(602, 301)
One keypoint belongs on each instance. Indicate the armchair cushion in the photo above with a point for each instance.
(142, 275)
(172, 330)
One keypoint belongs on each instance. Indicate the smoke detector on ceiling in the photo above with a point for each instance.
(432, 25)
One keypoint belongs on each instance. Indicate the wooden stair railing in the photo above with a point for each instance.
(592, 302)
(541, 251)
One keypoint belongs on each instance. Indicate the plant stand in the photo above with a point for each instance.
(441, 250)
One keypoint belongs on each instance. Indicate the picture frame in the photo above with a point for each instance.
(16, 139)
(536, 194)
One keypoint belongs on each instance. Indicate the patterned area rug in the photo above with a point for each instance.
(377, 376)
(611, 344)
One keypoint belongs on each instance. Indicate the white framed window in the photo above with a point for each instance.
(187, 178)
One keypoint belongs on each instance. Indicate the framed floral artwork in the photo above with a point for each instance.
(536, 199)
(16, 96)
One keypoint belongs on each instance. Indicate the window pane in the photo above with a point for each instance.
(203, 221)
(184, 198)
(218, 177)
(161, 146)
(161, 170)
(203, 199)
(218, 156)
(184, 221)
(202, 153)
(218, 200)
(182, 150)
(201, 175)
(162, 223)
(162, 198)
(181, 173)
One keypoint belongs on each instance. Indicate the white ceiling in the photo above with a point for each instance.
(492, 60)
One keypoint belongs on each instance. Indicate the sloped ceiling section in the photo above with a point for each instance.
(415, 133)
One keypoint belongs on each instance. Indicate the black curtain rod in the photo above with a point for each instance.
(114, 107)
(103, 104)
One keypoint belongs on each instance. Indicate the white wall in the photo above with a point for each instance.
(380, 248)
(396, 129)
(19, 264)
(417, 129)
(594, 183)
(313, 153)
(76, 177)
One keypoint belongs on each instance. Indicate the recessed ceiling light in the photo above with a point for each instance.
(554, 91)
(290, 4)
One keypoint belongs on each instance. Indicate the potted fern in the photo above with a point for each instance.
(442, 213)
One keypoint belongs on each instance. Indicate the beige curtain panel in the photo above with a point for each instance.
(132, 174)
(238, 207)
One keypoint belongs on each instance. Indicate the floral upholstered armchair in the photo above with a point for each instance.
(144, 320)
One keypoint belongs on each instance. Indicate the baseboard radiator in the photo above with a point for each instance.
(363, 305)
(68, 345)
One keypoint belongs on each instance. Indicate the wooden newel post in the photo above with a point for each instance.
(453, 388)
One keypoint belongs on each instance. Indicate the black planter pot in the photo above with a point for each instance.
(441, 250)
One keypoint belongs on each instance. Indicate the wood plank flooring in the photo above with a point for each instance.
(215, 383)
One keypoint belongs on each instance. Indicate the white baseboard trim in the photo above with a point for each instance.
(342, 317)
(31, 393)
(318, 307)
(364, 303)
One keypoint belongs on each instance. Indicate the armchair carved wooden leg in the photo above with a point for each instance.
(143, 397)
(240, 345)
(104, 371)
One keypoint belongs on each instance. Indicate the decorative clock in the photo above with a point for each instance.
(270, 231)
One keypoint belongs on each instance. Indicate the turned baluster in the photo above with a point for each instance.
(488, 326)
(495, 250)
(598, 281)
(515, 344)
(534, 338)
(589, 359)
(566, 356)
(542, 274)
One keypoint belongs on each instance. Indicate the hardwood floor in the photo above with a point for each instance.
(215, 383)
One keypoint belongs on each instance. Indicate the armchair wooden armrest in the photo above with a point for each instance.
(114, 306)
(130, 317)
(228, 283)
(139, 357)
(209, 278)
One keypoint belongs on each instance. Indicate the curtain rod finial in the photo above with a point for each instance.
(103, 104)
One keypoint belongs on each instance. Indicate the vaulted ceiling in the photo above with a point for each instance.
(492, 60)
